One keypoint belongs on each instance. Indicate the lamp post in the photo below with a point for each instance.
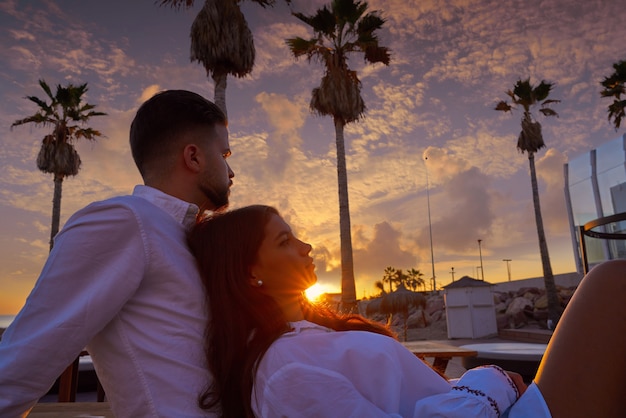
(508, 266)
(430, 227)
(452, 273)
(480, 253)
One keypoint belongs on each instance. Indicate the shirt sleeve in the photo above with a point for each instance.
(96, 264)
(302, 390)
(482, 392)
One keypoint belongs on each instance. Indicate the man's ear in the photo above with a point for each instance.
(192, 157)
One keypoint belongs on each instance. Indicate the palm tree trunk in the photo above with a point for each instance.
(219, 91)
(56, 208)
(554, 306)
(348, 285)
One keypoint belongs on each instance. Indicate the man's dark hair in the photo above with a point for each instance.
(163, 118)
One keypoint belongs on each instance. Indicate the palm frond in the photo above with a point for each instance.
(617, 111)
(615, 86)
(376, 54)
(176, 4)
(542, 91)
(503, 106)
(46, 88)
(323, 22)
(548, 112)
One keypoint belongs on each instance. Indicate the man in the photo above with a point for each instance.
(121, 281)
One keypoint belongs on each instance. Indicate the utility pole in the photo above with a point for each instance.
(508, 266)
(430, 228)
(480, 253)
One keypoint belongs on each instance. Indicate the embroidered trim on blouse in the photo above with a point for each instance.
(508, 379)
(476, 392)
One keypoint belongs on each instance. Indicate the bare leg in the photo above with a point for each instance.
(583, 372)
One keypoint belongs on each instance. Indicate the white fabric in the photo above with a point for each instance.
(121, 281)
(530, 405)
(314, 372)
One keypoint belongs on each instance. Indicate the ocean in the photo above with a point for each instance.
(5, 320)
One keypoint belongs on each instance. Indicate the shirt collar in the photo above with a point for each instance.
(184, 212)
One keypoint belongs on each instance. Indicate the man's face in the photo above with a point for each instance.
(215, 179)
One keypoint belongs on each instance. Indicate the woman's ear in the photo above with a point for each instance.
(255, 282)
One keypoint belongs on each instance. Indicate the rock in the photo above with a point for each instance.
(542, 302)
(434, 305)
(418, 320)
(517, 305)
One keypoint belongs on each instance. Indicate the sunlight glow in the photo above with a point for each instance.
(314, 292)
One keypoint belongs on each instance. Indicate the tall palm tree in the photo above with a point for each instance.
(530, 140)
(343, 29)
(221, 41)
(614, 86)
(67, 115)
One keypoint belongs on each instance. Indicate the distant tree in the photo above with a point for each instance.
(380, 287)
(615, 86)
(221, 41)
(66, 114)
(340, 30)
(530, 140)
(415, 279)
(389, 277)
(401, 278)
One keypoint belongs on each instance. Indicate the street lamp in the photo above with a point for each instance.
(452, 272)
(430, 227)
(480, 253)
(508, 266)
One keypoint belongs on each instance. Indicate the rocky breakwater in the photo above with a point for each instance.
(525, 307)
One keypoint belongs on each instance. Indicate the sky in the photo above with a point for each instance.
(451, 62)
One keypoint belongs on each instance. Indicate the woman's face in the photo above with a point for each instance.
(283, 261)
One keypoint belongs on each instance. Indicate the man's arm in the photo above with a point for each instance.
(96, 264)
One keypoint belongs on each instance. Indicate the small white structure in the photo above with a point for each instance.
(470, 309)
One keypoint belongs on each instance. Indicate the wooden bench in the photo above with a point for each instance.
(442, 353)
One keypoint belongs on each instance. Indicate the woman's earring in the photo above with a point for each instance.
(259, 283)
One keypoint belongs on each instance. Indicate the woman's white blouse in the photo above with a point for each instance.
(315, 372)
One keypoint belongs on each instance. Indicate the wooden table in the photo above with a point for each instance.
(442, 353)
(71, 410)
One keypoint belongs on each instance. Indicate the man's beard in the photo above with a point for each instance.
(218, 199)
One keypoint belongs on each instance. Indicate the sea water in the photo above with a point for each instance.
(5, 320)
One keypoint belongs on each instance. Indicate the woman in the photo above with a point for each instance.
(273, 354)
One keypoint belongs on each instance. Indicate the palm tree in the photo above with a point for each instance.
(380, 287)
(343, 29)
(66, 114)
(401, 278)
(530, 140)
(221, 41)
(389, 277)
(415, 279)
(615, 86)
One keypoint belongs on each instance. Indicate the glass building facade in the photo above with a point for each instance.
(595, 187)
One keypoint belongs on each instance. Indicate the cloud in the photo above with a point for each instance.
(148, 92)
(468, 215)
(382, 250)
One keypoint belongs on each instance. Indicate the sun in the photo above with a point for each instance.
(314, 292)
